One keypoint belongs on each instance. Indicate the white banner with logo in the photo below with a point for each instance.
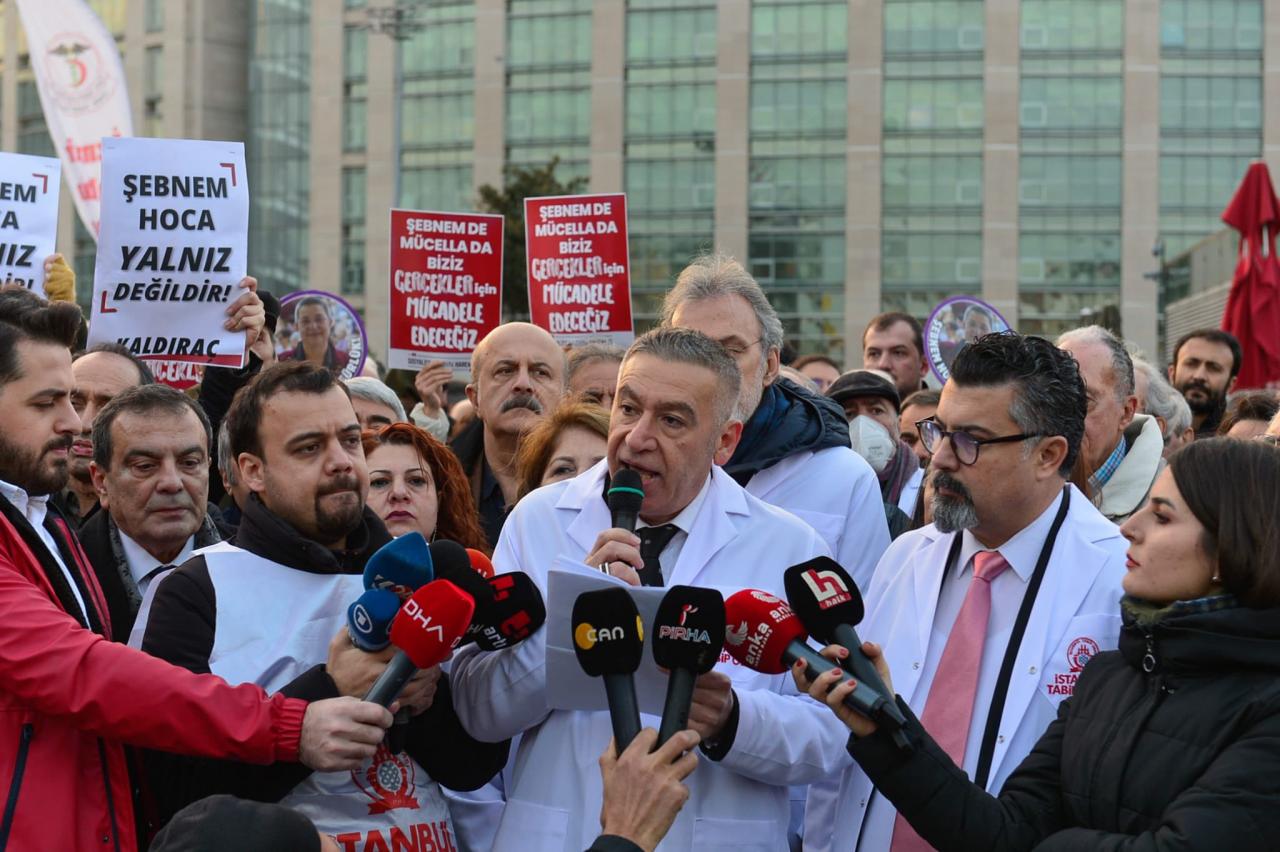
(81, 83)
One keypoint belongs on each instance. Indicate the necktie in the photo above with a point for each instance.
(653, 540)
(948, 711)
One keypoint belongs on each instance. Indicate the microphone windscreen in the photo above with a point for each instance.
(688, 629)
(402, 565)
(453, 563)
(480, 563)
(369, 619)
(626, 492)
(516, 612)
(759, 627)
(608, 636)
(431, 622)
(823, 595)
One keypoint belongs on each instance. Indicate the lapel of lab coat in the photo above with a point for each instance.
(713, 527)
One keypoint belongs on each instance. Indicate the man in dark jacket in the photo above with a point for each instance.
(794, 452)
(272, 610)
(151, 448)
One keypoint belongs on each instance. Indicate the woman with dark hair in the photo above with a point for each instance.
(1170, 743)
(417, 484)
(562, 445)
(1248, 415)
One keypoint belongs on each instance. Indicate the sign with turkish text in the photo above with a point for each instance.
(446, 286)
(28, 217)
(172, 249)
(579, 268)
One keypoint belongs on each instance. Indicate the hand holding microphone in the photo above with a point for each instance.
(617, 550)
(424, 633)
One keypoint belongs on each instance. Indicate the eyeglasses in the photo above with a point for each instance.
(738, 350)
(1273, 440)
(964, 445)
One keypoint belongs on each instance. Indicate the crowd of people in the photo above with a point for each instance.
(1070, 575)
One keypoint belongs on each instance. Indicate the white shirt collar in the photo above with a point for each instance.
(685, 518)
(1022, 551)
(142, 563)
(32, 508)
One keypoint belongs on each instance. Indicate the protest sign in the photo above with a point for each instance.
(179, 375)
(172, 249)
(28, 217)
(446, 286)
(579, 268)
(955, 322)
(321, 328)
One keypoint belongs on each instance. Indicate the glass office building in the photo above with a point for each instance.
(856, 155)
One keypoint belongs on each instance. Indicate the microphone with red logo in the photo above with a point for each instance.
(763, 634)
(688, 633)
(828, 603)
(608, 639)
(424, 632)
(514, 613)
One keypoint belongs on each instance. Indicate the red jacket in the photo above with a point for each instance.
(69, 699)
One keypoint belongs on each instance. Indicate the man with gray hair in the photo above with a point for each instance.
(1123, 450)
(151, 471)
(673, 423)
(794, 452)
(376, 404)
(1159, 399)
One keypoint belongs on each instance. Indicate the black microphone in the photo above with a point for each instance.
(827, 602)
(608, 639)
(514, 612)
(625, 495)
(688, 634)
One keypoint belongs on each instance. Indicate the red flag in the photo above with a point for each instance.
(1253, 306)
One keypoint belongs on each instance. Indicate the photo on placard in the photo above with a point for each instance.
(954, 323)
(324, 329)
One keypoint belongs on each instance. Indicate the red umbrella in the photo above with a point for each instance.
(1253, 306)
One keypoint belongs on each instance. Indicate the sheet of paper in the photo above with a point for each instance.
(29, 191)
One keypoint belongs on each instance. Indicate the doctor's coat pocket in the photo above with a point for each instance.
(531, 827)
(730, 835)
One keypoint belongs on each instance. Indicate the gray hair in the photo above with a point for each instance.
(686, 346)
(1163, 401)
(1121, 362)
(142, 399)
(375, 391)
(711, 275)
(581, 356)
(226, 465)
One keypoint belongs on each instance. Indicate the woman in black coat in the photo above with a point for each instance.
(1170, 743)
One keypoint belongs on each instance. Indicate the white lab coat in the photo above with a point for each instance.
(741, 803)
(837, 493)
(1079, 598)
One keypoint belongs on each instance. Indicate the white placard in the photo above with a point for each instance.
(568, 686)
(172, 249)
(28, 217)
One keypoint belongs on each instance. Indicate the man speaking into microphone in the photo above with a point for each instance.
(673, 424)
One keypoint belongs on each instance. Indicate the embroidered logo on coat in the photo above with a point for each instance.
(390, 781)
(1080, 652)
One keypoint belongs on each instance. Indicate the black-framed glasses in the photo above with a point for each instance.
(964, 445)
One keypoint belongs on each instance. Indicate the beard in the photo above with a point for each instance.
(335, 523)
(952, 514)
(31, 471)
(1212, 401)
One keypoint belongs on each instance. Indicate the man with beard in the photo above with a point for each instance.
(988, 615)
(151, 473)
(794, 452)
(517, 375)
(73, 698)
(272, 609)
(1204, 369)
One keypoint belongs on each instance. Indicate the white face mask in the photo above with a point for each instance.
(872, 441)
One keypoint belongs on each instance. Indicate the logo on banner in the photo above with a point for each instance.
(390, 781)
(75, 72)
(1080, 652)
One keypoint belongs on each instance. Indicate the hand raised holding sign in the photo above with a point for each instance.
(431, 383)
(59, 279)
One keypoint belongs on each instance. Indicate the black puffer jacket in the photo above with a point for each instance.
(1171, 743)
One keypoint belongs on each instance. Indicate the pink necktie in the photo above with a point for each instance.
(948, 711)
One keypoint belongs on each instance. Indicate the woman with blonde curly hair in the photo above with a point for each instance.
(561, 445)
(417, 484)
